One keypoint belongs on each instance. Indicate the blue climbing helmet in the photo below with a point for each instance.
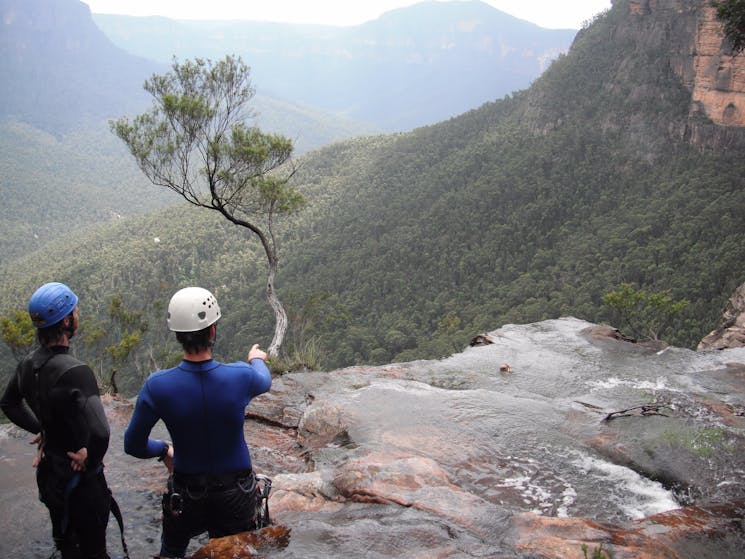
(51, 303)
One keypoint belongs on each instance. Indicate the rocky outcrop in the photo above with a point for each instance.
(669, 74)
(718, 88)
(450, 458)
(703, 60)
(731, 331)
(246, 544)
(605, 333)
(666, 535)
(657, 446)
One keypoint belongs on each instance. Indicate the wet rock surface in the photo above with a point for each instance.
(692, 445)
(454, 458)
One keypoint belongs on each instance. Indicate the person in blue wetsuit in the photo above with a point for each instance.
(202, 403)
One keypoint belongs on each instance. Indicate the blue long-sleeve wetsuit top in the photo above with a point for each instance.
(203, 406)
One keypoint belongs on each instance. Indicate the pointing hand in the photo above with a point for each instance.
(256, 353)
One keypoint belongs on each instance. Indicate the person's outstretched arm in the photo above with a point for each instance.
(137, 441)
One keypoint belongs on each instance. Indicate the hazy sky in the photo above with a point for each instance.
(546, 13)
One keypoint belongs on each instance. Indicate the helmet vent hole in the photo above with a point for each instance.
(201, 315)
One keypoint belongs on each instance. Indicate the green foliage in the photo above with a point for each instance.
(642, 315)
(298, 358)
(597, 552)
(120, 351)
(732, 14)
(113, 339)
(128, 327)
(195, 142)
(702, 442)
(18, 333)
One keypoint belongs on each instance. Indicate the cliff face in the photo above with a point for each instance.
(719, 78)
(652, 70)
(702, 58)
(59, 69)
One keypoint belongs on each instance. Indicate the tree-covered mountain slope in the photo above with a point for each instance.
(51, 186)
(527, 208)
(535, 206)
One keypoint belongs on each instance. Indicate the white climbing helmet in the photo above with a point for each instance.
(192, 309)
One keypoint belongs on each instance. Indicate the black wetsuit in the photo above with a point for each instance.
(54, 393)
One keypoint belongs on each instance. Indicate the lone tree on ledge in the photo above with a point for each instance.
(195, 141)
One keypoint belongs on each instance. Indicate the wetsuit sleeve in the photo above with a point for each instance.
(15, 407)
(84, 418)
(137, 441)
(262, 380)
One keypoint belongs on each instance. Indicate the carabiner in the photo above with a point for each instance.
(176, 504)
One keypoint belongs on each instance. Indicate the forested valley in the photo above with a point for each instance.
(527, 208)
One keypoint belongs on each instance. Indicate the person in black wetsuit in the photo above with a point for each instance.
(203, 404)
(54, 395)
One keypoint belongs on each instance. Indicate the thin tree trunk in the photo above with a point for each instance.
(112, 382)
(280, 316)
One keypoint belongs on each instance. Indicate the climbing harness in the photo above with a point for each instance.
(113, 506)
(173, 500)
(173, 503)
(263, 487)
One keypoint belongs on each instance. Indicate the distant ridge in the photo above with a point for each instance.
(412, 66)
(59, 70)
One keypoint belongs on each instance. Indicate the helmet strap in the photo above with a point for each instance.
(69, 329)
(213, 340)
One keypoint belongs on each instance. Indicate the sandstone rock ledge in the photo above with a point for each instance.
(731, 331)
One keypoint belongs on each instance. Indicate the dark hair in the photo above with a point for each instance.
(51, 334)
(194, 342)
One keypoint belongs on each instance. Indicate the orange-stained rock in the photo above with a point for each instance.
(701, 58)
(655, 537)
(245, 544)
(559, 538)
(411, 481)
(719, 84)
(304, 492)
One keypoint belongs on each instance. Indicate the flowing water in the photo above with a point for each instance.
(488, 444)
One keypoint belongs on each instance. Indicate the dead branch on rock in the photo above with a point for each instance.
(638, 411)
